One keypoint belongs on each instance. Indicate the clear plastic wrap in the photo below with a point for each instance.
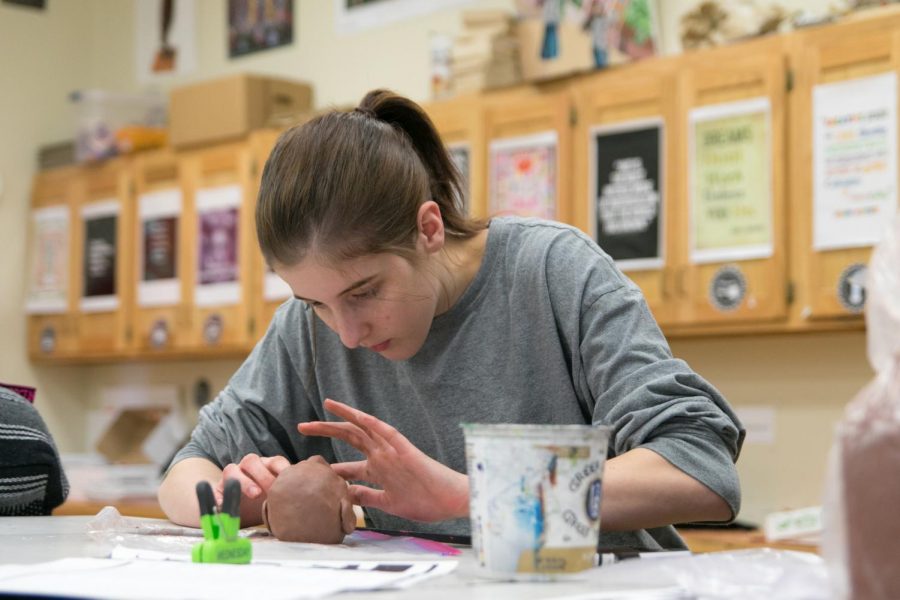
(756, 574)
(861, 540)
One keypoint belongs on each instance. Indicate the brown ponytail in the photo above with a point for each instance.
(347, 184)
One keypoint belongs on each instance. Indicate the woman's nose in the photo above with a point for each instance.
(350, 330)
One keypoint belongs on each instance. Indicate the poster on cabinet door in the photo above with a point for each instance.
(854, 161)
(98, 292)
(48, 275)
(626, 192)
(160, 215)
(218, 211)
(460, 154)
(730, 176)
(523, 173)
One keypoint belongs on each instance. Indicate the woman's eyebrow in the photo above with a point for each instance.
(350, 288)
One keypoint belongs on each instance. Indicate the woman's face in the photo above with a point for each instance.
(380, 302)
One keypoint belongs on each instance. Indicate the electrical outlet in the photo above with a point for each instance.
(759, 421)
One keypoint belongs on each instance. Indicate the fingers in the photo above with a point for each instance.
(255, 474)
(375, 428)
(275, 464)
(253, 467)
(348, 432)
(366, 496)
(352, 471)
(249, 487)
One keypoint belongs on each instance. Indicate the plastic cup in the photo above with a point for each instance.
(535, 497)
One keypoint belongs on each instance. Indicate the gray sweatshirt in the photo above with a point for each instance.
(549, 331)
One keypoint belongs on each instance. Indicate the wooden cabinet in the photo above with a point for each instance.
(529, 143)
(460, 123)
(50, 290)
(627, 128)
(104, 247)
(221, 249)
(267, 290)
(733, 209)
(743, 150)
(163, 314)
(848, 72)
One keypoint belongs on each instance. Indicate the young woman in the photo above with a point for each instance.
(415, 318)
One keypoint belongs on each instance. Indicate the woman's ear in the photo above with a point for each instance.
(265, 516)
(348, 516)
(431, 227)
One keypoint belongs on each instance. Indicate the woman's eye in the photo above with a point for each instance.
(369, 293)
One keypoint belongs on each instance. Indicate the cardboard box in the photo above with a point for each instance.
(575, 51)
(229, 108)
(123, 441)
(135, 424)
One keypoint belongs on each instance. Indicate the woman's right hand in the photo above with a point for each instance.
(255, 473)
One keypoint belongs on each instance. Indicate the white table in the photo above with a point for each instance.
(41, 539)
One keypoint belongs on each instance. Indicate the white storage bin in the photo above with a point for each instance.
(116, 123)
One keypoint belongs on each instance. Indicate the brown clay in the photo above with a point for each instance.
(310, 503)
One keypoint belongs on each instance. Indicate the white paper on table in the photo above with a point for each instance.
(139, 579)
(661, 593)
(854, 161)
(151, 206)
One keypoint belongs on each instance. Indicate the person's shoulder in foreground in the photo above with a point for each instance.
(32, 481)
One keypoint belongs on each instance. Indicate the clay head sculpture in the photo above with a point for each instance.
(309, 503)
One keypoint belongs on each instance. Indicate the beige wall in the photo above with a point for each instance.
(806, 378)
(43, 56)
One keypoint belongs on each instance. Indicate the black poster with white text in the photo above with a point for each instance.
(100, 256)
(628, 200)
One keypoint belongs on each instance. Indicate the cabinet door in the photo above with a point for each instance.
(104, 252)
(844, 161)
(220, 223)
(733, 152)
(267, 290)
(162, 314)
(529, 155)
(51, 278)
(461, 125)
(623, 188)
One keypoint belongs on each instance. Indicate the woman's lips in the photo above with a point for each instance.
(381, 347)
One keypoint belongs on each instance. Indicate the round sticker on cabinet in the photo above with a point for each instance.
(727, 288)
(159, 334)
(852, 287)
(48, 340)
(212, 329)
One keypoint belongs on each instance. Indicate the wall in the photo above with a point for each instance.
(43, 56)
(807, 378)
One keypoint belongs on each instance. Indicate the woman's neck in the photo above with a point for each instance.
(459, 263)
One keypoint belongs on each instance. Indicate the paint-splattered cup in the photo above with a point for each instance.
(535, 497)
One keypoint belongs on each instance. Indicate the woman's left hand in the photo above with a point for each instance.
(413, 485)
